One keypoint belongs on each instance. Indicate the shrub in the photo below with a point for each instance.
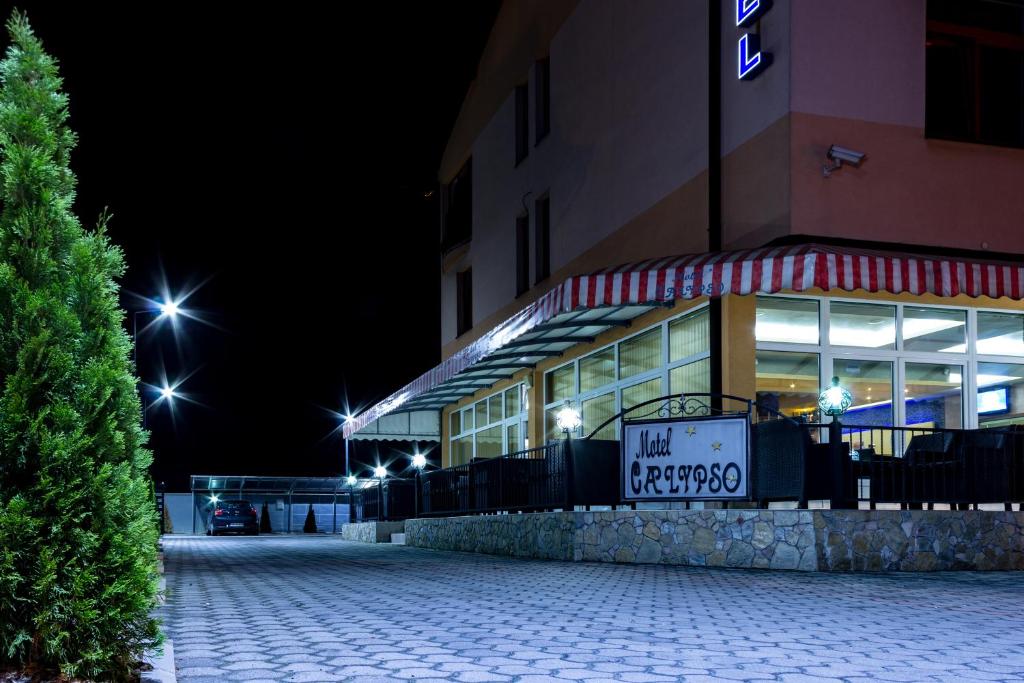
(78, 524)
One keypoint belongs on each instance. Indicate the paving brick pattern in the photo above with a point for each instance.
(324, 609)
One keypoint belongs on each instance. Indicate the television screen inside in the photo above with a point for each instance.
(993, 401)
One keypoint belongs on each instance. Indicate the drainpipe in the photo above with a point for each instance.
(715, 321)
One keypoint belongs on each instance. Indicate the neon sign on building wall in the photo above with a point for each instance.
(750, 61)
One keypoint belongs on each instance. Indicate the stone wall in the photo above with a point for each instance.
(806, 540)
(547, 535)
(918, 540)
(370, 532)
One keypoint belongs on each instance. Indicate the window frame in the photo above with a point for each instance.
(969, 359)
(662, 371)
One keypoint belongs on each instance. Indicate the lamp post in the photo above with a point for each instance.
(351, 481)
(419, 461)
(381, 473)
(568, 419)
(833, 401)
(168, 309)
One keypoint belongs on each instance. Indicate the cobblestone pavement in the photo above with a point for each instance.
(323, 609)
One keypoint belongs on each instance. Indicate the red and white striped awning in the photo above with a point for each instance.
(766, 270)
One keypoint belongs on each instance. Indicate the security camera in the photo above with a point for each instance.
(836, 155)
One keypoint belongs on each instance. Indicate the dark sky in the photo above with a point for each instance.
(280, 154)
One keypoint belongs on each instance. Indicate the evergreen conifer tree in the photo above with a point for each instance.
(78, 526)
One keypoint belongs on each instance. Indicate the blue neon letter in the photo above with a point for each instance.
(747, 11)
(749, 58)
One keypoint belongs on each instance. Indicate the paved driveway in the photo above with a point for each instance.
(323, 609)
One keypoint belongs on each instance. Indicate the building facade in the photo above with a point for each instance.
(864, 218)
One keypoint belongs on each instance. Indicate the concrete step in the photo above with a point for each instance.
(398, 539)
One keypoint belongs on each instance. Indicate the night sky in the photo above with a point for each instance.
(281, 155)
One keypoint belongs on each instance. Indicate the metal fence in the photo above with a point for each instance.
(533, 479)
(916, 466)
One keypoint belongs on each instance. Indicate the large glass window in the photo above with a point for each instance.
(494, 409)
(933, 395)
(640, 353)
(871, 383)
(787, 382)
(489, 442)
(512, 400)
(866, 325)
(560, 383)
(595, 411)
(488, 428)
(637, 369)
(462, 450)
(688, 336)
(597, 369)
(692, 378)
(551, 430)
(934, 329)
(793, 321)
(638, 393)
(1000, 334)
(1000, 394)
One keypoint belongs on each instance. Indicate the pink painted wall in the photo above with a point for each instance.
(910, 189)
(860, 59)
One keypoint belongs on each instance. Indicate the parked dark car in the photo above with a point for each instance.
(233, 517)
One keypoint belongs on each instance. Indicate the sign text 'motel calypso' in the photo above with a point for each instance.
(700, 459)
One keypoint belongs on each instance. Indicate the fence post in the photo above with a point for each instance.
(570, 488)
(835, 441)
(416, 498)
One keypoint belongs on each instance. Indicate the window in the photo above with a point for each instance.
(871, 383)
(787, 382)
(640, 353)
(638, 393)
(560, 384)
(489, 442)
(933, 395)
(494, 409)
(512, 401)
(692, 378)
(974, 63)
(793, 321)
(595, 411)
(522, 254)
(637, 369)
(543, 239)
(934, 329)
(490, 427)
(871, 326)
(522, 123)
(688, 336)
(464, 301)
(1000, 398)
(457, 209)
(1000, 334)
(597, 369)
(905, 364)
(542, 99)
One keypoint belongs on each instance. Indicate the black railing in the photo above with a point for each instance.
(394, 500)
(849, 466)
(916, 466)
(533, 479)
